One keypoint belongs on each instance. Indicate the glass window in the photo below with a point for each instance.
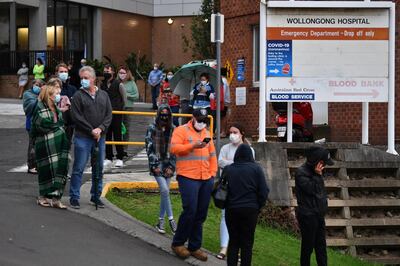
(73, 27)
(61, 22)
(4, 27)
(50, 24)
(256, 55)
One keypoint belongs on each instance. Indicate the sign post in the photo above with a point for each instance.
(330, 51)
(217, 36)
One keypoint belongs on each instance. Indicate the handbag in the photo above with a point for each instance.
(220, 192)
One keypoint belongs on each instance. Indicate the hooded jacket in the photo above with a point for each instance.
(157, 158)
(247, 187)
(310, 191)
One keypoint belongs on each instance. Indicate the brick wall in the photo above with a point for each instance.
(9, 86)
(167, 41)
(240, 17)
(124, 33)
(344, 118)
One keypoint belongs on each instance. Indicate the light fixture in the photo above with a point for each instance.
(206, 20)
(170, 21)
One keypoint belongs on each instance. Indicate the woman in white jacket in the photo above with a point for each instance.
(226, 155)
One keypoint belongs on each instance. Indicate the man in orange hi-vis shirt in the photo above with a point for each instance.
(196, 167)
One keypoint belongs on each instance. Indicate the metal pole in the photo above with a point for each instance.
(391, 104)
(289, 130)
(365, 122)
(218, 122)
(263, 63)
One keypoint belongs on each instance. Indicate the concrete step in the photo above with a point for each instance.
(364, 241)
(359, 203)
(364, 183)
(370, 222)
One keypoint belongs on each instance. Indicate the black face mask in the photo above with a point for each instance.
(164, 117)
(107, 76)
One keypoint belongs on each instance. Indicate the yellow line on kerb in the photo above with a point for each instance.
(134, 185)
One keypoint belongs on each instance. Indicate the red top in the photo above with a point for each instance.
(213, 102)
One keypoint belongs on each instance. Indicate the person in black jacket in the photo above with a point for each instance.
(117, 94)
(247, 194)
(312, 205)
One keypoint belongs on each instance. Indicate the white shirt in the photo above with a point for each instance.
(227, 94)
(227, 153)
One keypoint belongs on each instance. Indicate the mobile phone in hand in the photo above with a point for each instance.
(206, 140)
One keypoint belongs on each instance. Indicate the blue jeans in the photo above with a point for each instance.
(83, 148)
(195, 196)
(175, 110)
(223, 231)
(165, 202)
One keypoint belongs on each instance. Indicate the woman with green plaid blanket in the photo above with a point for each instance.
(51, 147)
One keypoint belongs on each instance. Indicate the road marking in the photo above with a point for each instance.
(141, 156)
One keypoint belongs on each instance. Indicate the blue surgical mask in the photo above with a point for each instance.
(36, 89)
(63, 76)
(85, 83)
(57, 99)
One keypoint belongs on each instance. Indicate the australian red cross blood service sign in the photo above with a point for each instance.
(327, 55)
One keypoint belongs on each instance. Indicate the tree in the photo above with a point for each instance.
(199, 43)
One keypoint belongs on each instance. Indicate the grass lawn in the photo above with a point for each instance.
(271, 247)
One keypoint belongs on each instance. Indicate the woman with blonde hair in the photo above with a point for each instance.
(51, 147)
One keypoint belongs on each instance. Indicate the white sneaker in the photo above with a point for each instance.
(107, 163)
(119, 163)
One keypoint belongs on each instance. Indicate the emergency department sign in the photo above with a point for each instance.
(327, 55)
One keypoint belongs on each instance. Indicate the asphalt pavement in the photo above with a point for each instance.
(33, 235)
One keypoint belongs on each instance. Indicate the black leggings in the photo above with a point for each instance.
(114, 132)
(312, 229)
(241, 223)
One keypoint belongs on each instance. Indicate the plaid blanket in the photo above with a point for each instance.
(51, 149)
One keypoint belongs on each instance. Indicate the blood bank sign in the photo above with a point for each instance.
(327, 55)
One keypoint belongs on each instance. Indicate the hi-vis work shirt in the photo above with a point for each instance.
(198, 164)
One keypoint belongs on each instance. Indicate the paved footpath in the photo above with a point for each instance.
(32, 235)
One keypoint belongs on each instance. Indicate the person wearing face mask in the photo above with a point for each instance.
(116, 91)
(67, 90)
(202, 93)
(62, 73)
(91, 114)
(51, 147)
(312, 204)
(22, 73)
(29, 103)
(155, 79)
(162, 162)
(226, 156)
(132, 95)
(196, 167)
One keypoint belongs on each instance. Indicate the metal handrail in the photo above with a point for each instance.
(141, 143)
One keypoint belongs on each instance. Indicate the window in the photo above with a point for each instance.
(256, 56)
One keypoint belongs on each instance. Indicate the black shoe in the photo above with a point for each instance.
(100, 204)
(74, 203)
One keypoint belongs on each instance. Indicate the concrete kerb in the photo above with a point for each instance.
(122, 221)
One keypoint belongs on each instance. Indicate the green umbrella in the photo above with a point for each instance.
(189, 75)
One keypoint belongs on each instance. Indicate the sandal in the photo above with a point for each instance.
(221, 256)
(43, 202)
(56, 203)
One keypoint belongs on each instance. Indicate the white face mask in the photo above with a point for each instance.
(203, 82)
(122, 76)
(199, 126)
(155, 68)
(234, 138)
(169, 77)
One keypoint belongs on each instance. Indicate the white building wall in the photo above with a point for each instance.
(153, 8)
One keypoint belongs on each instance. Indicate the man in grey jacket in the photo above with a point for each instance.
(91, 115)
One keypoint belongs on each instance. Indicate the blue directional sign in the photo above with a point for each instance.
(240, 69)
(279, 58)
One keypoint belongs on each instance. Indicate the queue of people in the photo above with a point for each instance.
(58, 114)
